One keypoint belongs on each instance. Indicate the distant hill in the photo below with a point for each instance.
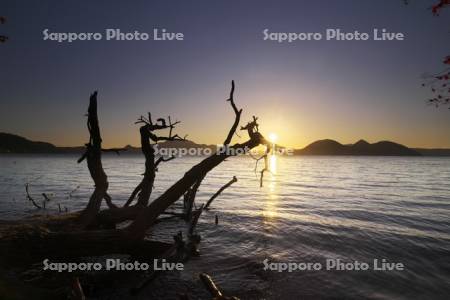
(11, 143)
(331, 147)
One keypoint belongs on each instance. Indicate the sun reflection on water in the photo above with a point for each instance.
(271, 203)
(273, 165)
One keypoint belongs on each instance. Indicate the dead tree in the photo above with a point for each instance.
(143, 190)
(193, 178)
(93, 156)
(183, 188)
(55, 238)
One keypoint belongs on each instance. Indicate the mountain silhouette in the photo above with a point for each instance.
(11, 143)
(362, 147)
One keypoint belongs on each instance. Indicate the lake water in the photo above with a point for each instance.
(310, 209)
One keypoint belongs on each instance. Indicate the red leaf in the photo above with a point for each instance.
(447, 60)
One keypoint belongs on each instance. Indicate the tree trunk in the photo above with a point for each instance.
(93, 156)
(149, 214)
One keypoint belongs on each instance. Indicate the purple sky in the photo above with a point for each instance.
(302, 91)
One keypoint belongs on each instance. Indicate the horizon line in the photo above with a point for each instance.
(216, 144)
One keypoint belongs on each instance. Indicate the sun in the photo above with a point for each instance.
(273, 137)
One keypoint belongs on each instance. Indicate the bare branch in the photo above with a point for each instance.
(190, 181)
(251, 127)
(144, 189)
(31, 198)
(194, 220)
(94, 161)
(189, 198)
(219, 192)
(83, 157)
(162, 159)
(108, 200)
(157, 139)
(133, 194)
(237, 116)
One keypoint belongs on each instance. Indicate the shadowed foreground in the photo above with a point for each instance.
(93, 232)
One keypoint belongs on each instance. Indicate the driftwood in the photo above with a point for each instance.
(31, 199)
(92, 232)
(212, 288)
(219, 192)
(194, 220)
(93, 156)
(143, 190)
(144, 216)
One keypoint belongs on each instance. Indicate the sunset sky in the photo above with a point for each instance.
(303, 91)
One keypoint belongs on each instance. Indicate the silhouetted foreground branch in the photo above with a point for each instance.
(219, 192)
(237, 113)
(31, 199)
(93, 156)
(92, 232)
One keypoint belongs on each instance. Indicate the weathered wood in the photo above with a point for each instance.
(210, 285)
(144, 217)
(93, 157)
(212, 288)
(150, 213)
(237, 118)
(219, 192)
(194, 219)
(144, 189)
(58, 238)
(31, 199)
(189, 199)
(194, 176)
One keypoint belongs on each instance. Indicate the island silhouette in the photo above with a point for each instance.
(11, 143)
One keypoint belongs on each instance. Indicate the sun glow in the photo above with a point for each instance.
(273, 137)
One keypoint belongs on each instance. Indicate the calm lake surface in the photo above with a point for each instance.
(311, 209)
